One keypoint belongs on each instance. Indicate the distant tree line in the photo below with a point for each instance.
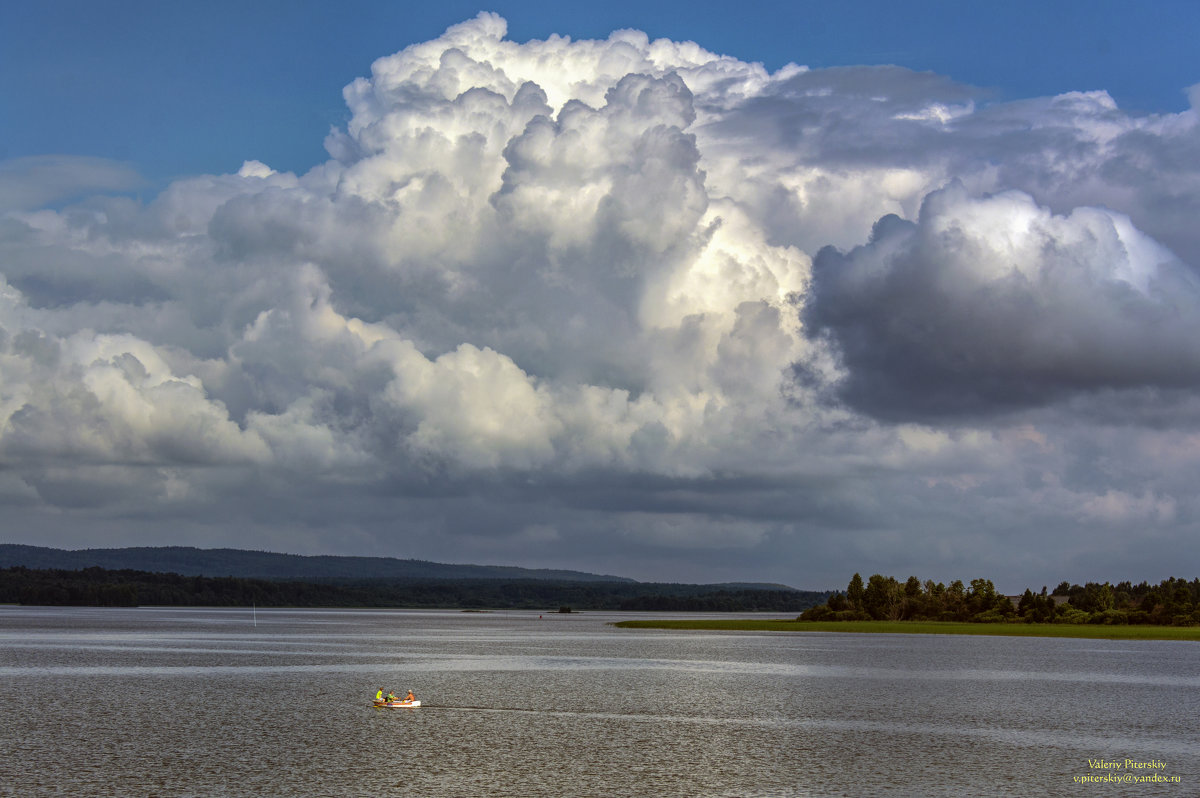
(99, 587)
(1172, 602)
(725, 601)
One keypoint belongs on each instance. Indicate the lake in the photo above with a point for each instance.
(208, 702)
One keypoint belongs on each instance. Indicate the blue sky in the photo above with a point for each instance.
(656, 304)
(187, 87)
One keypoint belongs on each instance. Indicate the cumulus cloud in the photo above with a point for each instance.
(556, 300)
(994, 302)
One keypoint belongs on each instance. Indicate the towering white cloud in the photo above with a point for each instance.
(622, 290)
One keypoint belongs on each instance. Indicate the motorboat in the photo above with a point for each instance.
(397, 704)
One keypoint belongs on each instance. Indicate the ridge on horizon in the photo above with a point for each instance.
(195, 561)
(259, 564)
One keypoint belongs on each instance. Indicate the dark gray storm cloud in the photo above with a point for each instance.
(994, 303)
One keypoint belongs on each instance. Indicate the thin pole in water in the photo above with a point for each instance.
(254, 610)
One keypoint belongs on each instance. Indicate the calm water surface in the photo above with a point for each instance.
(177, 702)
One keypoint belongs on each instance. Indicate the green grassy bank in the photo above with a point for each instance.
(1096, 631)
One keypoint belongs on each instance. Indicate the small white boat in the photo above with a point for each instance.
(397, 704)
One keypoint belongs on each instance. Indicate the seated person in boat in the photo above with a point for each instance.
(410, 696)
(391, 696)
(379, 695)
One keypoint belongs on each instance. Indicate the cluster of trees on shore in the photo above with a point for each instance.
(1174, 602)
(100, 587)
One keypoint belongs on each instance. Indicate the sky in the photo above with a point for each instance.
(679, 292)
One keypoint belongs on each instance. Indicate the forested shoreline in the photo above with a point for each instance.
(1172, 602)
(99, 587)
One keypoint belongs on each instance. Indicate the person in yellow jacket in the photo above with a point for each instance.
(379, 695)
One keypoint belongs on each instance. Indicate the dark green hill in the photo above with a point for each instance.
(190, 561)
(184, 576)
(94, 586)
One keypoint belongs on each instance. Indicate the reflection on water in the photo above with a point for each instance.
(233, 703)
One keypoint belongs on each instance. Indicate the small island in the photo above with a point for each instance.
(1167, 611)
